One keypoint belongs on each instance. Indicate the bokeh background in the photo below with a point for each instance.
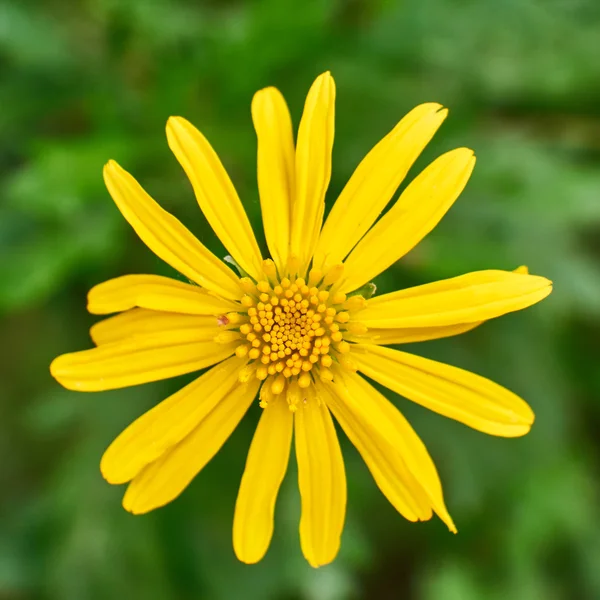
(82, 82)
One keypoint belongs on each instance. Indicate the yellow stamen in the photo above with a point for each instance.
(269, 269)
(356, 328)
(304, 380)
(227, 336)
(314, 277)
(241, 351)
(343, 347)
(333, 274)
(355, 303)
(247, 285)
(278, 385)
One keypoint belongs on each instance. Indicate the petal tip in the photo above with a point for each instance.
(176, 128)
(530, 419)
(108, 475)
(325, 79)
(175, 122)
(519, 429)
(447, 519)
(247, 557)
(111, 468)
(441, 111)
(264, 98)
(57, 369)
(132, 506)
(61, 373)
(111, 166)
(464, 152)
(53, 368)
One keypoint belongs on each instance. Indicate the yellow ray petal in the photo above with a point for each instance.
(163, 480)
(276, 182)
(374, 182)
(131, 362)
(322, 481)
(313, 168)
(169, 422)
(166, 236)
(386, 422)
(418, 210)
(452, 392)
(215, 193)
(469, 298)
(143, 322)
(156, 293)
(265, 469)
(407, 335)
(383, 460)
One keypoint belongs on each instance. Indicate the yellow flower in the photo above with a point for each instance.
(297, 328)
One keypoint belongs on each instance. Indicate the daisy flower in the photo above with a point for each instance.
(296, 331)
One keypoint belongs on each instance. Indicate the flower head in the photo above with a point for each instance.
(296, 330)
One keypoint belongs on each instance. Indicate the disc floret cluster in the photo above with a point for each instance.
(292, 330)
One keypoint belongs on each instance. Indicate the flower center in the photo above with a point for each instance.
(292, 329)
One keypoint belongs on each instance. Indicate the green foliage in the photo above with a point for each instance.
(84, 82)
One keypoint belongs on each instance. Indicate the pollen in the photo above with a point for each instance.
(291, 331)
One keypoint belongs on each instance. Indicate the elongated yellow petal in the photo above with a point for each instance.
(374, 182)
(383, 460)
(409, 335)
(384, 421)
(156, 293)
(169, 422)
(452, 392)
(469, 298)
(141, 322)
(163, 480)
(322, 481)
(265, 469)
(313, 167)
(215, 193)
(276, 181)
(166, 236)
(131, 362)
(418, 210)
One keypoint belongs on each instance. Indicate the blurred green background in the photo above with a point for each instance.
(82, 82)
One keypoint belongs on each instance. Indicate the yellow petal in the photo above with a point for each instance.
(452, 392)
(409, 335)
(469, 298)
(418, 210)
(166, 236)
(215, 193)
(322, 481)
(374, 182)
(163, 480)
(275, 158)
(163, 426)
(383, 460)
(313, 167)
(265, 469)
(387, 426)
(141, 322)
(131, 362)
(156, 293)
